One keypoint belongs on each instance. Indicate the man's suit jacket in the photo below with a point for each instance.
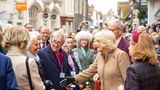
(143, 76)
(46, 44)
(50, 65)
(7, 76)
(123, 45)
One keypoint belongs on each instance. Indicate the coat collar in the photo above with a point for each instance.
(87, 53)
(14, 50)
(52, 57)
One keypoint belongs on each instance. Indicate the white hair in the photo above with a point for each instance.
(83, 35)
(31, 41)
(33, 36)
(141, 28)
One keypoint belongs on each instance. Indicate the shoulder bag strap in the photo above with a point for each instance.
(28, 73)
(41, 70)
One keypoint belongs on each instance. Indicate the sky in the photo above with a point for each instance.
(105, 5)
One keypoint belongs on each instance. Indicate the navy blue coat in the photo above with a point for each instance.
(143, 76)
(50, 65)
(7, 76)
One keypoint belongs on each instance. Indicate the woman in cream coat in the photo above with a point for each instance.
(15, 42)
(110, 63)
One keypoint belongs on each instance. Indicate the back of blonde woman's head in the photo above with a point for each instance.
(16, 36)
(106, 38)
(144, 49)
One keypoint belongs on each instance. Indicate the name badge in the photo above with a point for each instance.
(73, 73)
(62, 75)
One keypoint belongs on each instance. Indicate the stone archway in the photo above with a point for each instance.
(55, 17)
(46, 14)
(157, 15)
(35, 13)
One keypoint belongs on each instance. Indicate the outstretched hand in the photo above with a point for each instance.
(67, 81)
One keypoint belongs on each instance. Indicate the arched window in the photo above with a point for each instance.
(33, 11)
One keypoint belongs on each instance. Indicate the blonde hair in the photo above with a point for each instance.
(107, 39)
(144, 49)
(16, 36)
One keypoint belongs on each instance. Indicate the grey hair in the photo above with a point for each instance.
(57, 33)
(119, 24)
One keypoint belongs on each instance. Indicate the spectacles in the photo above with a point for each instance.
(28, 27)
(56, 42)
(113, 29)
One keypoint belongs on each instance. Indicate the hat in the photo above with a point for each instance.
(135, 36)
(83, 35)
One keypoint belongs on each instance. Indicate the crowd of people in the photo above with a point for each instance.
(48, 59)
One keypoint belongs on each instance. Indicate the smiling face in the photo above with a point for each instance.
(99, 47)
(69, 42)
(113, 27)
(44, 33)
(34, 47)
(84, 43)
(56, 42)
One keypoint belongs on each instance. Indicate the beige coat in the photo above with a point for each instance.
(111, 69)
(18, 61)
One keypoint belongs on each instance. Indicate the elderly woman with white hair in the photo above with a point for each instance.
(85, 54)
(33, 46)
(110, 64)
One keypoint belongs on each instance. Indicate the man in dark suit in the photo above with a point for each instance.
(44, 34)
(117, 27)
(54, 60)
(7, 76)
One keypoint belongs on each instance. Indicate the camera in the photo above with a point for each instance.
(48, 84)
(86, 23)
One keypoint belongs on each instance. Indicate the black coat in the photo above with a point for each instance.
(50, 65)
(143, 76)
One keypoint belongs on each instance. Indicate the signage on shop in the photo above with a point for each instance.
(21, 4)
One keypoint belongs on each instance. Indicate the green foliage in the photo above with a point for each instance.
(142, 12)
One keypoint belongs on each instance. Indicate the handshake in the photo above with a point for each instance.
(68, 82)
